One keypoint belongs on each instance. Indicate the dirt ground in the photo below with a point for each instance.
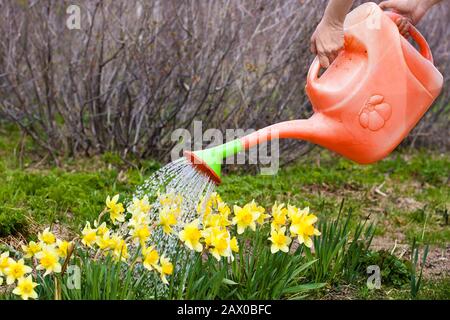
(438, 259)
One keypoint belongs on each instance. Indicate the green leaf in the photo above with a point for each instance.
(230, 282)
(304, 287)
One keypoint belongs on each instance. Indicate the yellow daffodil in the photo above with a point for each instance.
(302, 225)
(170, 200)
(245, 218)
(151, 258)
(138, 218)
(31, 249)
(253, 206)
(212, 220)
(279, 240)
(114, 240)
(47, 237)
(48, 261)
(101, 229)
(5, 260)
(208, 234)
(166, 268)
(279, 214)
(223, 208)
(62, 248)
(220, 245)
(115, 209)
(25, 288)
(16, 270)
(139, 206)
(104, 242)
(234, 246)
(224, 211)
(140, 233)
(89, 235)
(208, 205)
(191, 235)
(167, 219)
(120, 250)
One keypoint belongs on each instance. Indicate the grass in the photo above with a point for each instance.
(405, 195)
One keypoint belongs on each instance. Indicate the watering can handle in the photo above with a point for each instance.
(313, 73)
(416, 35)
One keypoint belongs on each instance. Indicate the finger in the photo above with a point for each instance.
(313, 46)
(386, 5)
(404, 27)
(332, 56)
(404, 30)
(400, 25)
(324, 62)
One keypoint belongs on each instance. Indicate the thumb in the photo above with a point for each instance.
(387, 4)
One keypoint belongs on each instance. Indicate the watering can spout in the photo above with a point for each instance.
(317, 129)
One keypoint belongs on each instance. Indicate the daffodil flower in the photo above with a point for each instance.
(62, 248)
(223, 209)
(25, 288)
(302, 225)
(253, 206)
(191, 235)
(213, 220)
(115, 209)
(170, 200)
(47, 237)
(31, 249)
(48, 261)
(245, 218)
(234, 245)
(279, 216)
(220, 245)
(280, 242)
(140, 233)
(166, 268)
(101, 229)
(16, 270)
(5, 260)
(141, 206)
(167, 219)
(104, 242)
(120, 249)
(89, 235)
(151, 258)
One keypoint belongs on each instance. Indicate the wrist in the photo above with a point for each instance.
(333, 22)
(427, 4)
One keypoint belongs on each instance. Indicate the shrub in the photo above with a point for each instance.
(127, 83)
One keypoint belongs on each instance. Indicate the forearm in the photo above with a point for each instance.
(427, 4)
(336, 11)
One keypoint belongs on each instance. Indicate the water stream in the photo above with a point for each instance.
(182, 181)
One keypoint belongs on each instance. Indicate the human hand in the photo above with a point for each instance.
(411, 10)
(327, 40)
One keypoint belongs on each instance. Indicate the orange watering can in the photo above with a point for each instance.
(365, 103)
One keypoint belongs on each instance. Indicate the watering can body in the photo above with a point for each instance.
(375, 91)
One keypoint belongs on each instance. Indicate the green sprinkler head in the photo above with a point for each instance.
(209, 161)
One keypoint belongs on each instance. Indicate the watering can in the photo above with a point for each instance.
(365, 103)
